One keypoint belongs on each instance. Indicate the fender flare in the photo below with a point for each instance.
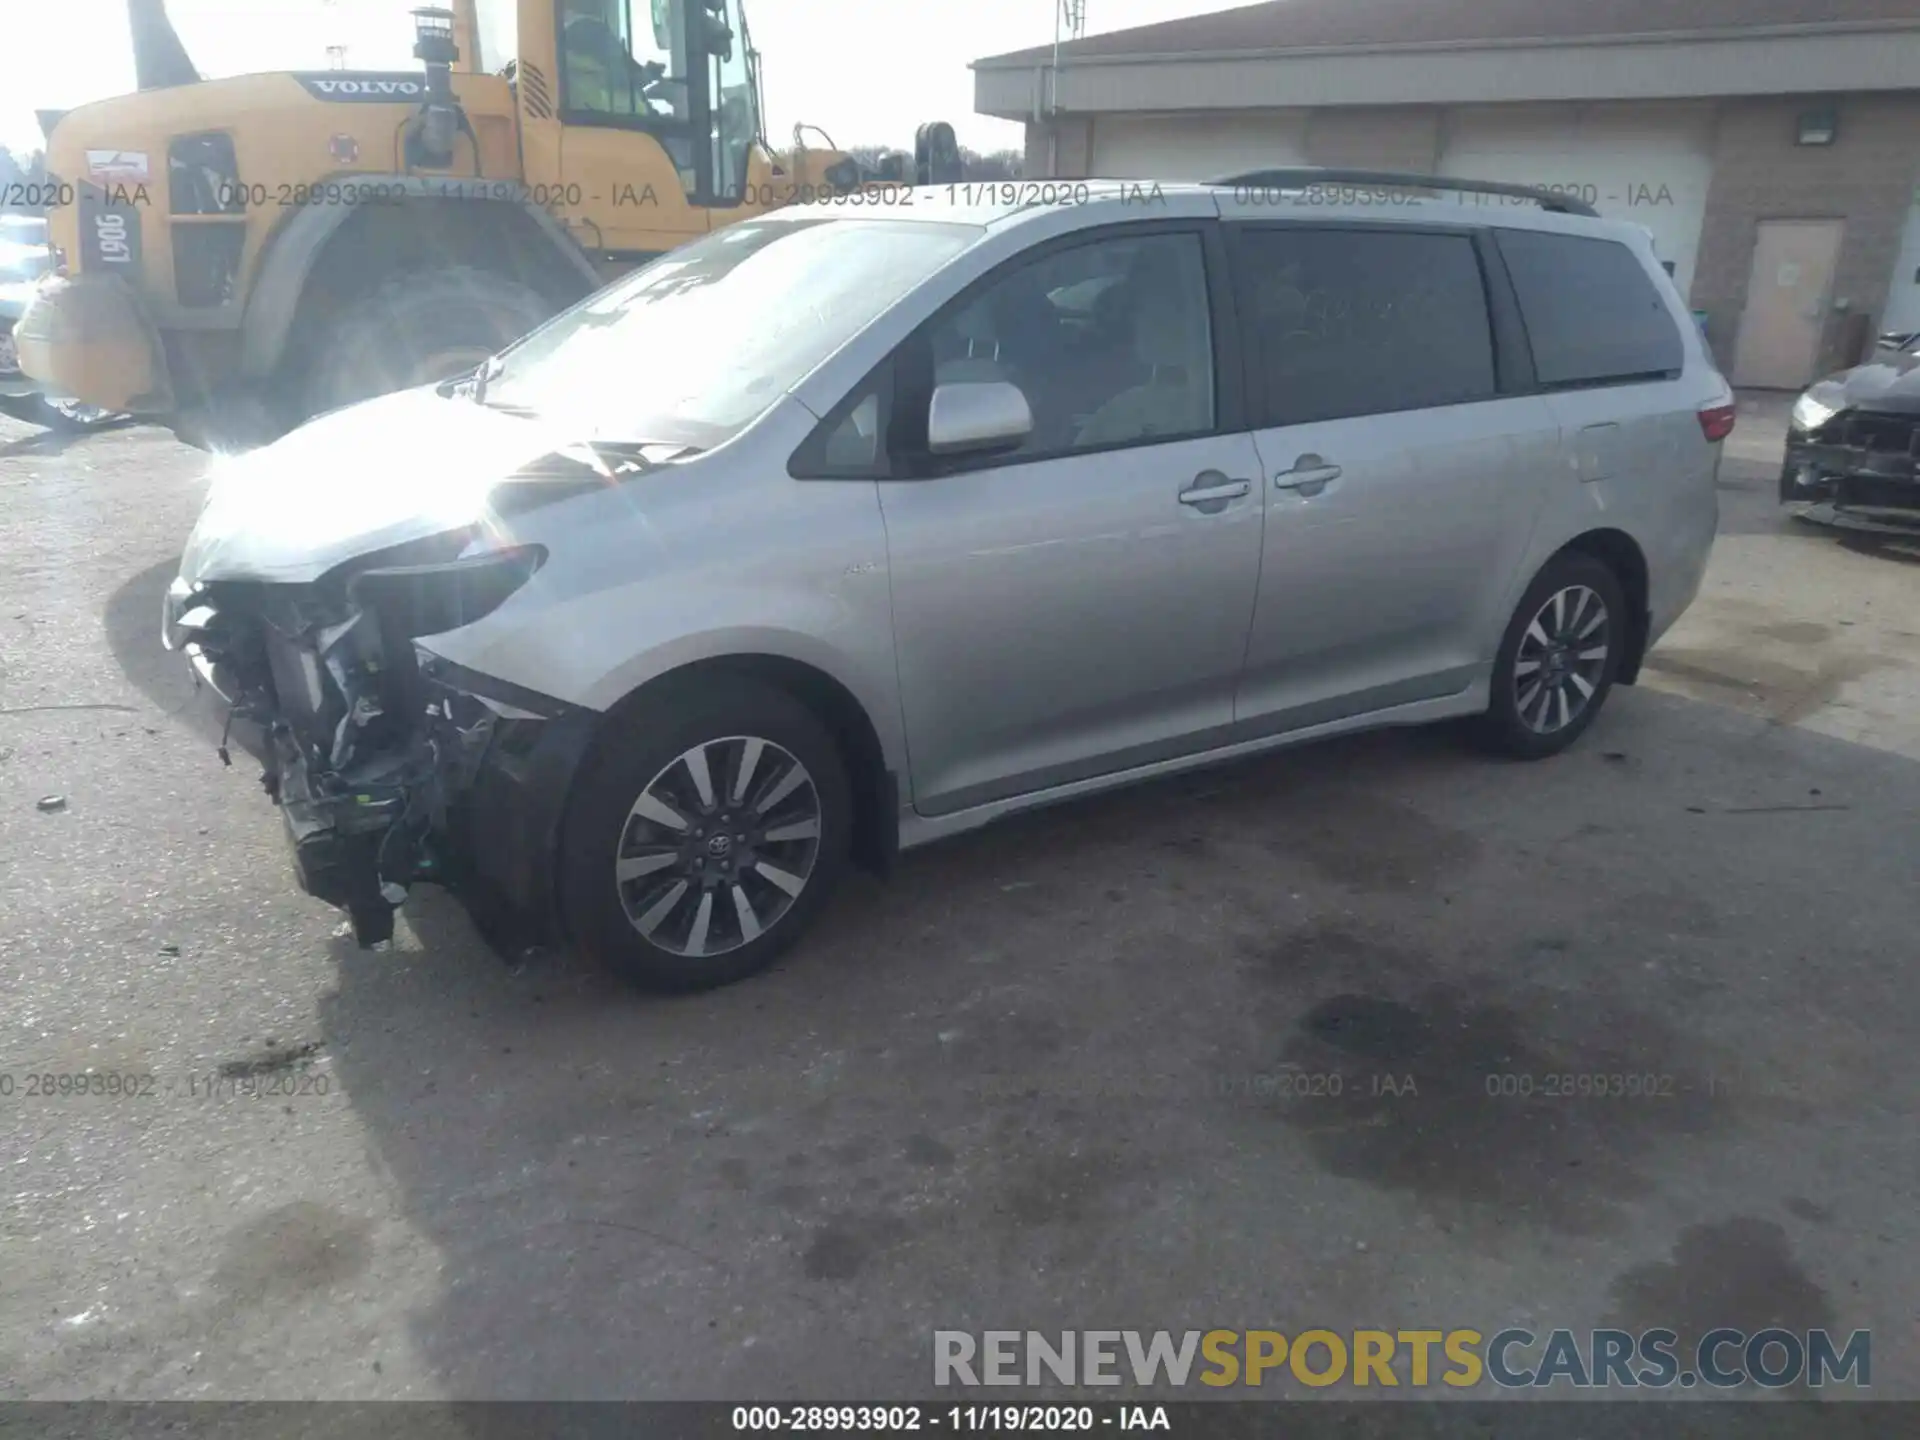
(274, 297)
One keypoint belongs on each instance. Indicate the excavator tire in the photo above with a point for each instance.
(416, 328)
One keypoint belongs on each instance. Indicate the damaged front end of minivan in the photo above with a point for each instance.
(390, 766)
(317, 567)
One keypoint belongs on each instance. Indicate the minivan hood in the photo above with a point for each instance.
(381, 473)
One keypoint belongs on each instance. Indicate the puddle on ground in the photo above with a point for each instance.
(1498, 1099)
(1738, 1273)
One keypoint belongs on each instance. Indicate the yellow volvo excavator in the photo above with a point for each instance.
(233, 256)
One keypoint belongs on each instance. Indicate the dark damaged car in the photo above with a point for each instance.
(1853, 445)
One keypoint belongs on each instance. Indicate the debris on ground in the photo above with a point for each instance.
(51, 803)
(1784, 809)
(268, 1061)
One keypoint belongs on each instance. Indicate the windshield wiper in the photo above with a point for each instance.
(473, 386)
(489, 370)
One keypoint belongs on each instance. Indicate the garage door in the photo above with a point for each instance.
(1195, 147)
(1650, 164)
(1903, 294)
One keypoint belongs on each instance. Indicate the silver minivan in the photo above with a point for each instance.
(861, 524)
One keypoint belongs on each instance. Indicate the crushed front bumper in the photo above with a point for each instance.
(489, 832)
(1860, 472)
(472, 798)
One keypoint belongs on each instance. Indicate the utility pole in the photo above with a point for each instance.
(336, 52)
(1070, 17)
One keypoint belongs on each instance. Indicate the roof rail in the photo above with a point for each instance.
(1303, 176)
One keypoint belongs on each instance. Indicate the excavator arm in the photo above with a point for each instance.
(160, 61)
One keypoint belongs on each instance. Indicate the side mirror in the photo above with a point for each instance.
(973, 417)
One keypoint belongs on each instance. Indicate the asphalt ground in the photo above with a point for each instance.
(1073, 1071)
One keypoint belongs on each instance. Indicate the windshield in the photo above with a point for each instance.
(701, 342)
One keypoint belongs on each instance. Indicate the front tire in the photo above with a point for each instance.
(1558, 659)
(415, 329)
(709, 828)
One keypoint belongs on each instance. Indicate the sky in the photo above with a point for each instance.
(865, 71)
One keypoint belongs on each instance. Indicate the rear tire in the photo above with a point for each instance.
(703, 903)
(417, 328)
(1557, 661)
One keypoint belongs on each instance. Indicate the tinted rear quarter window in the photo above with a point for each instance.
(1362, 322)
(1591, 310)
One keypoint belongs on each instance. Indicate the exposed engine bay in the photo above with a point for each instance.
(371, 748)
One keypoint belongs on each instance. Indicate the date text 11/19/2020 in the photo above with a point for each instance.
(559, 198)
(904, 1419)
(273, 1084)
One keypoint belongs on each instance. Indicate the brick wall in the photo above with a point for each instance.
(1865, 178)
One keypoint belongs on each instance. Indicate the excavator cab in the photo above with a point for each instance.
(657, 112)
(240, 254)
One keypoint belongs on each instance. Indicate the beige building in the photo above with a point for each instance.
(1772, 147)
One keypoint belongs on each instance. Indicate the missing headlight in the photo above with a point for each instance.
(413, 600)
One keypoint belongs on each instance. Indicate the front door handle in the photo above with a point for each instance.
(1310, 475)
(1213, 488)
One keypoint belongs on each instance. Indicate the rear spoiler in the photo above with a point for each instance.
(1303, 177)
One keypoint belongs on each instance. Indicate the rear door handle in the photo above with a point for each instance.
(1310, 475)
(1214, 489)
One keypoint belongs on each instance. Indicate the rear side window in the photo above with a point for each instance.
(1362, 322)
(1591, 310)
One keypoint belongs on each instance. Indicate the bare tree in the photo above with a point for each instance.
(1000, 165)
(20, 175)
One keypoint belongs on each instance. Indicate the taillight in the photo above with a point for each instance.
(1716, 421)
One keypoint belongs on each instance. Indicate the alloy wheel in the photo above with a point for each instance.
(719, 846)
(1561, 660)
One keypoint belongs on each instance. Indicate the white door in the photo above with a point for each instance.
(1788, 293)
(1648, 164)
(1196, 147)
(1903, 293)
